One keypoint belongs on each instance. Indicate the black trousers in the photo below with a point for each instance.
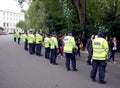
(38, 49)
(47, 52)
(70, 57)
(78, 52)
(31, 48)
(101, 65)
(26, 45)
(34, 47)
(89, 57)
(18, 40)
(14, 39)
(112, 55)
(53, 56)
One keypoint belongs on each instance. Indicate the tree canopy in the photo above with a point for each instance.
(1, 28)
(64, 15)
(22, 24)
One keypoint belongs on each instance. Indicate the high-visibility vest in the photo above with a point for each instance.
(47, 42)
(38, 38)
(15, 35)
(18, 35)
(100, 49)
(25, 37)
(69, 44)
(31, 38)
(53, 43)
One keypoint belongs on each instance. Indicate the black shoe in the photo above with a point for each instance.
(75, 70)
(68, 69)
(102, 82)
(94, 80)
(55, 63)
(31, 53)
(89, 63)
(45, 57)
(26, 49)
(37, 55)
(51, 62)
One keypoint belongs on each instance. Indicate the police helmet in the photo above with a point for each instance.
(69, 32)
(53, 33)
(101, 33)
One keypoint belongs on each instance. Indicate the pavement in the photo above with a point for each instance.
(18, 69)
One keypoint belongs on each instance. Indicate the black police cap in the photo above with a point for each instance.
(101, 32)
(53, 32)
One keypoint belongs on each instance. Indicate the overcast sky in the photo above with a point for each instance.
(10, 5)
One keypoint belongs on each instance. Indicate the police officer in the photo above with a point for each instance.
(15, 36)
(69, 46)
(31, 39)
(53, 48)
(47, 46)
(25, 37)
(34, 42)
(19, 37)
(100, 51)
(38, 44)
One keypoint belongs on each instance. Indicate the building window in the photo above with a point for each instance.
(4, 18)
(14, 24)
(4, 24)
(3, 13)
(7, 24)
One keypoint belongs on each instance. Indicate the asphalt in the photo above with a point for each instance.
(18, 69)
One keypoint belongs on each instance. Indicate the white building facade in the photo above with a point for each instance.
(9, 19)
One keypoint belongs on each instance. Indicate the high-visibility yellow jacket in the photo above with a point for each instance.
(38, 39)
(47, 42)
(31, 38)
(18, 35)
(15, 35)
(25, 37)
(69, 44)
(53, 43)
(100, 49)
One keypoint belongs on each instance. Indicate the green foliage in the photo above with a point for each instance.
(1, 28)
(22, 24)
(114, 27)
(61, 16)
(36, 15)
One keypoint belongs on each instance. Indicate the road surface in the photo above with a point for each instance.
(18, 69)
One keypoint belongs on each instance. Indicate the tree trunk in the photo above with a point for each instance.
(80, 10)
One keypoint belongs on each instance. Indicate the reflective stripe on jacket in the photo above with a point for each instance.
(15, 35)
(25, 37)
(53, 43)
(47, 42)
(69, 44)
(31, 38)
(38, 38)
(100, 49)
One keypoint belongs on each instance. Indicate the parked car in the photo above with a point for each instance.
(2, 32)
